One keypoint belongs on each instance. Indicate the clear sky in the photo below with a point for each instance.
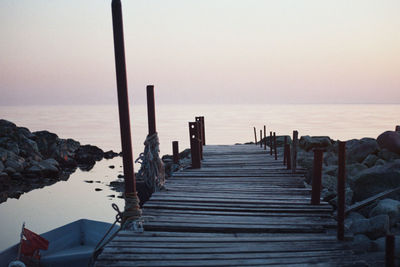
(202, 51)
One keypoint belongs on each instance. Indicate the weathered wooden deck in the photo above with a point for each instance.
(242, 208)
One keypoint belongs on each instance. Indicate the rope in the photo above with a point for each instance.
(132, 209)
(152, 167)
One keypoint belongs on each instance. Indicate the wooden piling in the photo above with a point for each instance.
(270, 143)
(195, 145)
(316, 178)
(200, 134)
(123, 107)
(341, 190)
(284, 150)
(397, 129)
(151, 111)
(175, 151)
(203, 129)
(288, 162)
(261, 138)
(294, 151)
(255, 135)
(265, 137)
(390, 251)
(275, 151)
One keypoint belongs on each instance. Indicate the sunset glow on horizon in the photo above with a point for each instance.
(199, 52)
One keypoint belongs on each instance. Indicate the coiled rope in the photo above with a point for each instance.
(152, 167)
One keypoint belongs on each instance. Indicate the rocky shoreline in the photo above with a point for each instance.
(30, 160)
(372, 167)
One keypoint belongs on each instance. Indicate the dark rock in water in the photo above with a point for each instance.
(98, 189)
(89, 181)
(120, 176)
(111, 166)
(46, 142)
(358, 150)
(87, 156)
(390, 140)
(307, 142)
(377, 179)
(110, 154)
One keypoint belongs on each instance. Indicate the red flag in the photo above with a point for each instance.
(32, 243)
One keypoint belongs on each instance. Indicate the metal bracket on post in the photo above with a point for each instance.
(195, 145)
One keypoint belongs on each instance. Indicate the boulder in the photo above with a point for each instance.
(17, 165)
(353, 170)
(46, 142)
(280, 140)
(9, 170)
(358, 150)
(380, 244)
(2, 167)
(389, 207)
(7, 128)
(372, 181)
(380, 162)
(348, 197)
(330, 158)
(88, 154)
(110, 154)
(49, 168)
(307, 142)
(388, 155)
(361, 243)
(370, 160)
(373, 227)
(390, 140)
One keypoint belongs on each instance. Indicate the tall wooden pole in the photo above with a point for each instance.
(275, 149)
(265, 137)
(175, 151)
(316, 178)
(123, 106)
(255, 135)
(151, 109)
(260, 138)
(270, 143)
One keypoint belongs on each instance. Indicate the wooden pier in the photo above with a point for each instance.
(242, 208)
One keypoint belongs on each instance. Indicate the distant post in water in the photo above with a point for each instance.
(316, 178)
(276, 153)
(341, 190)
(195, 145)
(265, 137)
(294, 151)
(255, 135)
(390, 251)
(270, 143)
(288, 162)
(175, 151)
(261, 138)
(284, 150)
(132, 211)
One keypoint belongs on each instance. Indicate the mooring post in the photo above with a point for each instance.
(203, 129)
(270, 143)
(341, 190)
(260, 138)
(124, 121)
(255, 135)
(265, 137)
(284, 150)
(397, 129)
(288, 162)
(390, 251)
(316, 178)
(151, 109)
(195, 145)
(275, 151)
(200, 134)
(175, 151)
(294, 151)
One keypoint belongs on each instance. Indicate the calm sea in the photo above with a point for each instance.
(52, 206)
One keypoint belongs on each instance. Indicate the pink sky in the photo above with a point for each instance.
(226, 51)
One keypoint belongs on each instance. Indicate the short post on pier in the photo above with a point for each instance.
(255, 135)
(294, 151)
(275, 151)
(288, 162)
(175, 152)
(390, 251)
(265, 137)
(341, 190)
(195, 145)
(203, 129)
(270, 143)
(200, 134)
(284, 150)
(260, 138)
(316, 178)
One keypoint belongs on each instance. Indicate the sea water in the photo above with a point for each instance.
(63, 202)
